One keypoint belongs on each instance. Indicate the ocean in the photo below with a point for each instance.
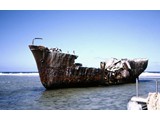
(24, 91)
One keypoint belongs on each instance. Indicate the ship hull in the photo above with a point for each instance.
(59, 70)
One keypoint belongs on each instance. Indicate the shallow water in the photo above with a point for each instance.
(27, 93)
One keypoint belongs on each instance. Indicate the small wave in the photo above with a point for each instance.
(18, 74)
(150, 75)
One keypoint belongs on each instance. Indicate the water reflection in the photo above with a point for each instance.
(110, 97)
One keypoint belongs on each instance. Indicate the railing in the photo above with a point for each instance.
(36, 39)
(137, 88)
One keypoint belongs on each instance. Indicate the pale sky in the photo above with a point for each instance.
(94, 36)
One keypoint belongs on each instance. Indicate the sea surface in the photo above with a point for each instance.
(24, 91)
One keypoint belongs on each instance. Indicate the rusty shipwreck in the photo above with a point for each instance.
(58, 70)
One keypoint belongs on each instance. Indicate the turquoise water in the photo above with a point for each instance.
(27, 93)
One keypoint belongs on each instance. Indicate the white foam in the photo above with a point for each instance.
(19, 74)
(150, 75)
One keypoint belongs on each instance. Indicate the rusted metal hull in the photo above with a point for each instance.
(59, 70)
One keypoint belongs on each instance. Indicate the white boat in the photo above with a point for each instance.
(151, 102)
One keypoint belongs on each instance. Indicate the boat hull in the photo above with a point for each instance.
(59, 70)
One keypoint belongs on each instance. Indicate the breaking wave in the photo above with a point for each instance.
(143, 75)
(19, 73)
(150, 75)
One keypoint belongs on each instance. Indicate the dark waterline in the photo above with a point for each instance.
(27, 93)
